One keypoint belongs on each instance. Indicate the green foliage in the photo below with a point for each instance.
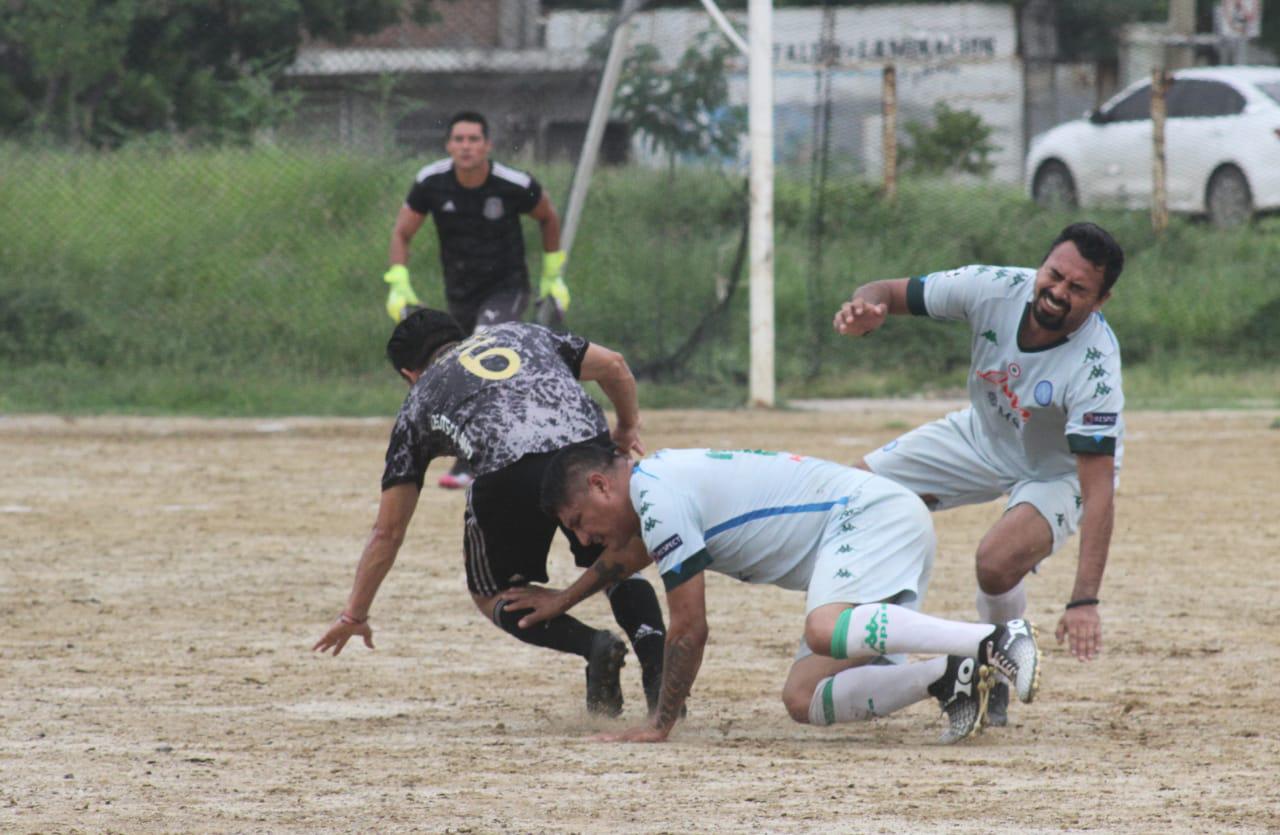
(249, 281)
(958, 142)
(683, 109)
(104, 71)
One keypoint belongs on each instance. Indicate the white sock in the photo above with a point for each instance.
(882, 628)
(1001, 608)
(862, 693)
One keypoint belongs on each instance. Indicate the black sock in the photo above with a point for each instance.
(636, 609)
(562, 633)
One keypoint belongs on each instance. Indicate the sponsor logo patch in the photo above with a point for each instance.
(1100, 418)
(667, 545)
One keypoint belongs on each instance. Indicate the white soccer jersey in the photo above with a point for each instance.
(762, 517)
(1031, 409)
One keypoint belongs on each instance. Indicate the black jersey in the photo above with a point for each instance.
(481, 244)
(503, 393)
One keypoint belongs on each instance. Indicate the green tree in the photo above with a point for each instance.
(684, 109)
(101, 71)
(958, 141)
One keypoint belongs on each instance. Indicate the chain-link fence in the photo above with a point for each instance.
(257, 250)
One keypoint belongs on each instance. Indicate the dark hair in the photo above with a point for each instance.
(1097, 247)
(421, 334)
(469, 116)
(567, 472)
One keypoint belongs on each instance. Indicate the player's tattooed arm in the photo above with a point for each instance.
(686, 640)
(612, 567)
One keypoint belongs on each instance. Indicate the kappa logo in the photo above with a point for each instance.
(1096, 372)
(667, 545)
(1102, 389)
(843, 574)
(1092, 355)
(448, 206)
(651, 523)
(990, 336)
(844, 549)
(1062, 519)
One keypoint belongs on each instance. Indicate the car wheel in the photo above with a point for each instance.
(1228, 199)
(1053, 187)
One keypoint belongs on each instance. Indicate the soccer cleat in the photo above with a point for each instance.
(998, 705)
(604, 674)
(1012, 651)
(459, 476)
(962, 693)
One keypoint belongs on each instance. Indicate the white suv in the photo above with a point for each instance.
(1222, 148)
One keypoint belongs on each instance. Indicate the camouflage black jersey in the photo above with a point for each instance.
(507, 391)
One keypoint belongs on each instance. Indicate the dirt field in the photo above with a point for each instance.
(162, 581)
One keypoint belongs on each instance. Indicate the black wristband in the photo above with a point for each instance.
(1084, 601)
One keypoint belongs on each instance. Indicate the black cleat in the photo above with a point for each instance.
(962, 693)
(1012, 651)
(604, 671)
(998, 705)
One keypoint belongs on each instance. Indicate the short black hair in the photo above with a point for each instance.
(1097, 247)
(421, 334)
(469, 116)
(567, 471)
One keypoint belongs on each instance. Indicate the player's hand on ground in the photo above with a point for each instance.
(543, 603)
(640, 733)
(341, 632)
(628, 439)
(858, 317)
(1082, 627)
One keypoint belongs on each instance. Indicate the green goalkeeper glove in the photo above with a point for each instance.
(401, 294)
(553, 285)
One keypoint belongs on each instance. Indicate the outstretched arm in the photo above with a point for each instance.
(394, 512)
(613, 566)
(1083, 624)
(610, 370)
(870, 305)
(686, 640)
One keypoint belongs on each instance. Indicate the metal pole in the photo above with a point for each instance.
(889, 137)
(1159, 202)
(760, 129)
(725, 26)
(595, 127)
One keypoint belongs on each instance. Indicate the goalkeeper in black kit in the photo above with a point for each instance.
(476, 204)
(506, 399)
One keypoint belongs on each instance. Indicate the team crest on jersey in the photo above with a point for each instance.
(1044, 392)
(493, 208)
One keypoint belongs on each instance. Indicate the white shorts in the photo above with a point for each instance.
(938, 460)
(879, 548)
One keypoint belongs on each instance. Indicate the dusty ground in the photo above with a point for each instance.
(161, 582)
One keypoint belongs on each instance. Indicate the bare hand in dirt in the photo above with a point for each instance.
(543, 603)
(341, 632)
(1083, 626)
(858, 317)
(640, 733)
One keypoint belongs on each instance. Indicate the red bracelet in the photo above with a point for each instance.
(350, 621)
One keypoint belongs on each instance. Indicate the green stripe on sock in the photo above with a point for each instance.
(840, 637)
(828, 701)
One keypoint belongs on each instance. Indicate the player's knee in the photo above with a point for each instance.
(996, 572)
(796, 699)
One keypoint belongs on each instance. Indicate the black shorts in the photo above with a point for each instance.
(502, 304)
(506, 535)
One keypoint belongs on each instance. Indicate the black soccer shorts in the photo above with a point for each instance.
(506, 535)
